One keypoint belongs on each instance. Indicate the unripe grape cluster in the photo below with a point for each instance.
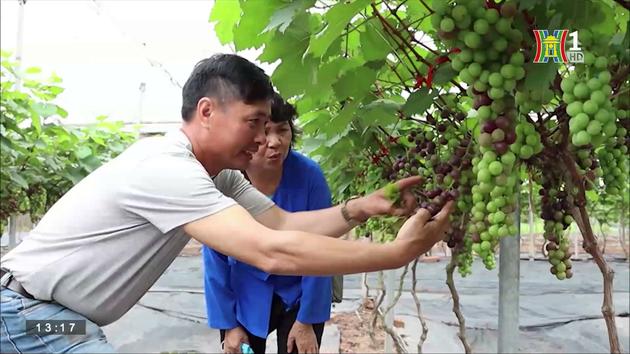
(587, 95)
(615, 168)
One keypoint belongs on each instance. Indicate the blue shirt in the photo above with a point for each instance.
(239, 293)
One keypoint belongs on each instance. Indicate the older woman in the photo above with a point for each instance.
(244, 302)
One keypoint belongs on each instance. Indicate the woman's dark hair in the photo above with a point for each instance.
(225, 77)
(283, 111)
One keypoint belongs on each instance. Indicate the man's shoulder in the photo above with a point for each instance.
(159, 150)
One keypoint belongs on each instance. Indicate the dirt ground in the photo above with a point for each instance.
(354, 329)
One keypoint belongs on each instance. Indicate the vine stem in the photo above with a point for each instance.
(398, 341)
(450, 269)
(377, 305)
(580, 216)
(423, 322)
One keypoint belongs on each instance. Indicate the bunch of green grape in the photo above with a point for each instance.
(533, 100)
(615, 167)
(587, 92)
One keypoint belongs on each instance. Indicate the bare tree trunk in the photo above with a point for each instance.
(450, 268)
(425, 328)
(590, 246)
(580, 216)
(377, 304)
(397, 340)
(622, 234)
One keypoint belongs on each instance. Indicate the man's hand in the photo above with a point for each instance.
(377, 203)
(419, 233)
(233, 339)
(303, 336)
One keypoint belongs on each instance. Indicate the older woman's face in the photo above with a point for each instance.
(272, 154)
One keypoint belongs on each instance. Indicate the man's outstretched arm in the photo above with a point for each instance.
(235, 233)
(330, 221)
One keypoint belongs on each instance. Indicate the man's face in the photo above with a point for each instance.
(272, 154)
(240, 131)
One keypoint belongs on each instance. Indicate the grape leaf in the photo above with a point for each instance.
(373, 43)
(444, 74)
(419, 101)
(355, 83)
(539, 75)
(255, 16)
(226, 14)
(283, 16)
(292, 42)
(336, 20)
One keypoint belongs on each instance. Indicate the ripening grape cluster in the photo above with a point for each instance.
(479, 167)
(555, 213)
(490, 63)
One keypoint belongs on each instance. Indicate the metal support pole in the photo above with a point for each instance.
(530, 221)
(390, 288)
(509, 280)
(13, 231)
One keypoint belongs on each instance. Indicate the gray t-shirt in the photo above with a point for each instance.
(102, 245)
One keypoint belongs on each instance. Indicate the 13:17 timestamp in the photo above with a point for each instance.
(46, 327)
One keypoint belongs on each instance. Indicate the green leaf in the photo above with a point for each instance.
(415, 9)
(33, 70)
(287, 81)
(226, 14)
(75, 175)
(380, 112)
(584, 14)
(355, 83)
(90, 163)
(309, 144)
(539, 75)
(335, 138)
(293, 42)
(373, 43)
(19, 180)
(444, 74)
(61, 112)
(528, 4)
(617, 39)
(255, 16)
(419, 101)
(6, 144)
(83, 152)
(44, 109)
(607, 24)
(311, 121)
(592, 196)
(340, 122)
(283, 16)
(336, 20)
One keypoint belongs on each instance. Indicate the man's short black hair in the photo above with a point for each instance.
(283, 111)
(225, 77)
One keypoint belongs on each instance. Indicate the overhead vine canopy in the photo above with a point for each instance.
(476, 96)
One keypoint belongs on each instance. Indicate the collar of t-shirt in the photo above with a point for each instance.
(179, 136)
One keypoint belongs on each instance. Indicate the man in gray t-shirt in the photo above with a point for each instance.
(102, 245)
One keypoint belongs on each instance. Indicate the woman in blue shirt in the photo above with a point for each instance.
(247, 304)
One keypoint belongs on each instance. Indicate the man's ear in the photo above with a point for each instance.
(206, 108)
